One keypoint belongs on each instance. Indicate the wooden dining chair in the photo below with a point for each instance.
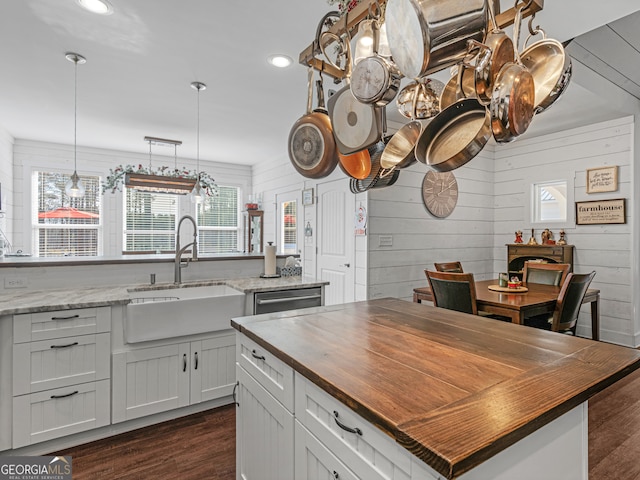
(565, 314)
(453, 267)
(545, 273)
(453, 291)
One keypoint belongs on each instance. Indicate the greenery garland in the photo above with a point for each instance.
(115, 179)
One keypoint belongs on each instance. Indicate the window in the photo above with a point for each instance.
(150, 221)
(550, 201)
(65, 226)
(218, 221)
(289, 233)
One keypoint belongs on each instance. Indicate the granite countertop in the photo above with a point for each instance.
(453, 389)
(31, 301)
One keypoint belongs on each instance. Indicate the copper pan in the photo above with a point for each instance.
(513, 96)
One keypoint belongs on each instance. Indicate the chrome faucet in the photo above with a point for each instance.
(179, 251)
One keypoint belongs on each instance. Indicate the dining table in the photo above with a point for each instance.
(537, 300)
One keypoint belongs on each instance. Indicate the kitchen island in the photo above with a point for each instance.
(392, 389)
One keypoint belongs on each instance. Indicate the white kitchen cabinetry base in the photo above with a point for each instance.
(264, 433)
(156, 379)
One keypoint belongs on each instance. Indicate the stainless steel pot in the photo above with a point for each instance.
(428, 35)
(550, 67)
(455, 135)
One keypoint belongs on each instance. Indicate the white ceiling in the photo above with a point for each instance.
(142, 59)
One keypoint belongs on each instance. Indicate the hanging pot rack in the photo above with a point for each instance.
(309, 55)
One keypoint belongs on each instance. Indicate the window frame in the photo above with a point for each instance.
(532, 207)
(37, 227)
(239, 227)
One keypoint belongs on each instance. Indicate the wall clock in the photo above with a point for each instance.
(440, 193)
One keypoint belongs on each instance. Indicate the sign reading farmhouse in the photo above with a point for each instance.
(600, 212)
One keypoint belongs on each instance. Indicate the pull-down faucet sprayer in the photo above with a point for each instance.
(179, 251)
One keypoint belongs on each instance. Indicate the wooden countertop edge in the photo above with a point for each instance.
(451, 466)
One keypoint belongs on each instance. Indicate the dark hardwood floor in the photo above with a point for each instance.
(202, 446)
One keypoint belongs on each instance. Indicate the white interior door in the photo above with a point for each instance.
(336, 250)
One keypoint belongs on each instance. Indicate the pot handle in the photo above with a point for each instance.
(309, 90)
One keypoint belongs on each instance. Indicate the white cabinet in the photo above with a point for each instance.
(156, 379)
(61, 373)
(264, 417)
(264, 433)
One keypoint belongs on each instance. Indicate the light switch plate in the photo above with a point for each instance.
(15, 282)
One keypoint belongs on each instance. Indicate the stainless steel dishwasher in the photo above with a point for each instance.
(280, 300)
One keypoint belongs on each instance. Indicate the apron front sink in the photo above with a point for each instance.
(156, 314)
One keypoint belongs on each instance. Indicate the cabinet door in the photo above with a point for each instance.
(264, 433)
(314, 461)
(150, 380)
(213, 368)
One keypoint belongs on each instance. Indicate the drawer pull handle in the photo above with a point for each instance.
(65, 318)
(344, 427)
(269, 301)
(65, 346)
(196, 361)
(256, 356)
(184, 362)
(64, 396)
(235, 400)
(335, 475)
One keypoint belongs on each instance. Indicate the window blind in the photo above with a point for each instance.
(150, 221)
(218, 221)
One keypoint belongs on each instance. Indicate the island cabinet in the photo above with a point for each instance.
(392, 390)
(154, 379)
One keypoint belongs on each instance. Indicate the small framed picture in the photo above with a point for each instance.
(307, 196)
(602, 179)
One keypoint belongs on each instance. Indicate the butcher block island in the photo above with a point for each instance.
(388, 389)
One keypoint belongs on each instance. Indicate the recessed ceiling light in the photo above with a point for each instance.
(101, 7)
(280, 61)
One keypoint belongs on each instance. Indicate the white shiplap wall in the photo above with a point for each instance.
(30, 156)
(607, 249)
(419, 239)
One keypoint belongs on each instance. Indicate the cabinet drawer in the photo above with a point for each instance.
(272, 373)
(314, 461)
(371, 454)
(60, 362)
(29, 327)
(63, 411)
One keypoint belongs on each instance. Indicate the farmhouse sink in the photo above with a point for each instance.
(156, 314)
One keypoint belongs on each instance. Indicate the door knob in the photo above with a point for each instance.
(346, 265)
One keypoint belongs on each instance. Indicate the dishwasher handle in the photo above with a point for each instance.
(269, 301)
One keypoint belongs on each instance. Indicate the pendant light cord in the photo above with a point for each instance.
(75, 116)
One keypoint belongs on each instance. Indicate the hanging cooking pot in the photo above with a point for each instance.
(550, 67)
(420, 99)
(356, 125)
(502, 52)
(457, 88)
(513, 95)
(356, 165)
(455, 135)
(312, 148)
(427, 36)
(375, 179)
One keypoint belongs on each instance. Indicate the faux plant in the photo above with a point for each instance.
(344, 5)
(115, 179)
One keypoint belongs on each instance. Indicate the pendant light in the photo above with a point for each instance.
(198, 194)
(74, 187)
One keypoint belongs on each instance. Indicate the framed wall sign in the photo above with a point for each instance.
(601, 212)
(307, 196)
(602, 179)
